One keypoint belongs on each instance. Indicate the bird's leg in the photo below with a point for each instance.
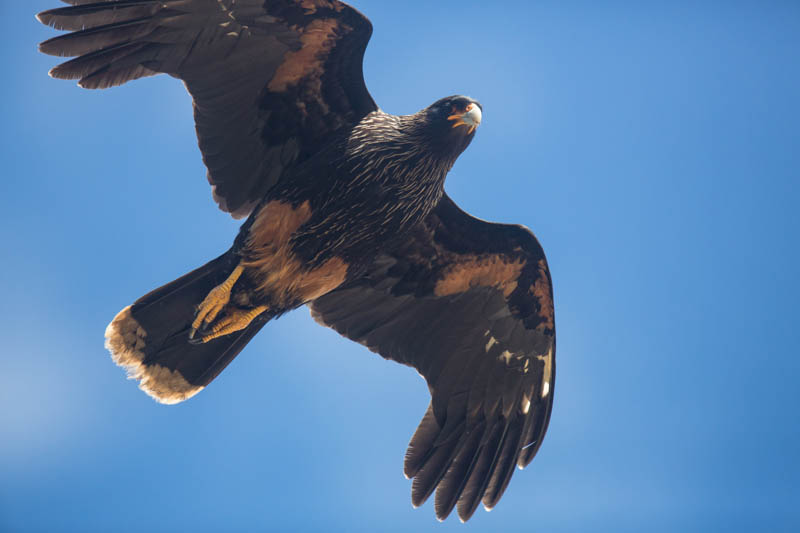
(235, 320)
(214, 302)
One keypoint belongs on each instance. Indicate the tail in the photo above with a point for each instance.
(150, 338)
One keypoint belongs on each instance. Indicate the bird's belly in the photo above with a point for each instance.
(278, 274)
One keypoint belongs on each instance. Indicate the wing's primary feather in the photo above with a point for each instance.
(469, 305)
(271, 80)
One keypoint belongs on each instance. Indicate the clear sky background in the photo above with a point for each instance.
(652, 147)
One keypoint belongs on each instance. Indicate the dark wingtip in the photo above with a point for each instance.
(44, 48)
(465, 518)
(465, 513)
(60, 73)
(52, 46)
(47, 17)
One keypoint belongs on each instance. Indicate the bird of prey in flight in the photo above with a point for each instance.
(345, 212)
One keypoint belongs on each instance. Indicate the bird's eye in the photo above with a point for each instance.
(459, 107)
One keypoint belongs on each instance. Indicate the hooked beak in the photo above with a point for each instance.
(470, 118)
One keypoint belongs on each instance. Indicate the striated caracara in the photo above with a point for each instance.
(346, 213)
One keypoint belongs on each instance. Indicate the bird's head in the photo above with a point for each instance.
(451, 122)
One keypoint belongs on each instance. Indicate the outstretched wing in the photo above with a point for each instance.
(271, 79)
(469, 305)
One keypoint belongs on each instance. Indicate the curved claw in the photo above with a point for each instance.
(214, 302)
(237, 320)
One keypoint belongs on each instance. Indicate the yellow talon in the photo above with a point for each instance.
(236, 321)
(215, 301)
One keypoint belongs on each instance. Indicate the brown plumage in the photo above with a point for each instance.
(346, 214)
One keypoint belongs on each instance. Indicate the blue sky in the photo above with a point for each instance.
(653, 149)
